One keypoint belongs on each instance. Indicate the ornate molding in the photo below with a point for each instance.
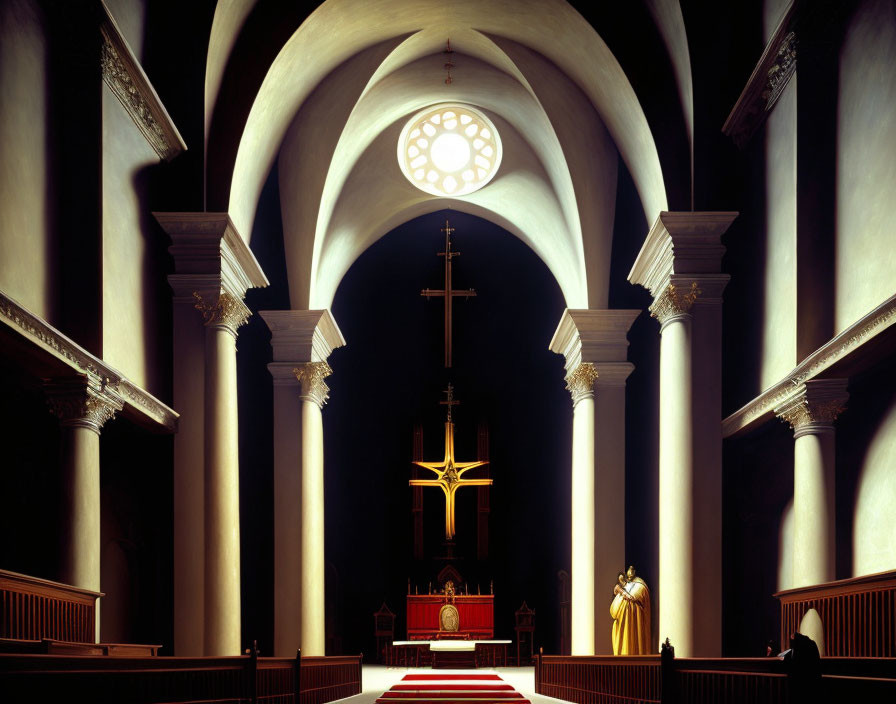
(227, 311)
(580, 382)
(38, 331)
(311, 376)
(814, 406)
(153, 409)
(87, 402)
(55, 345)
(844, 345)
(128, 82)
(674, 302)
(780, 72)
(770, 77)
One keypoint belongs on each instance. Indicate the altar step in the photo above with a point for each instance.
(452, 689)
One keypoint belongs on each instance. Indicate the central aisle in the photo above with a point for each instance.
(455, 687)
(513, 685)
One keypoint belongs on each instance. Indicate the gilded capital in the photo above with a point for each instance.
(227, 311)
(311, 376)
(83, 404)
(814, 407)
(674, 302)
(580, 382)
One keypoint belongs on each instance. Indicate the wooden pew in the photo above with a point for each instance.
(647, 680)
(155, 680)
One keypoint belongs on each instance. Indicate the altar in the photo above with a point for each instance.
(476, 617)
(452, 654)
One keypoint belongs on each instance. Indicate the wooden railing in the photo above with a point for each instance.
(33, 608)
(600, 679)
(327, 678)
(152, 680)
(701, 680)
(858, 615)
(668, 680)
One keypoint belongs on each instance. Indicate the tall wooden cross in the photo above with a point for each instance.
(448, 293)
(449, 473)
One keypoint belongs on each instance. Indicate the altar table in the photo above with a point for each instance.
(459, 654)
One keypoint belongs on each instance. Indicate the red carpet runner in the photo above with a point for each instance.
(452, 689)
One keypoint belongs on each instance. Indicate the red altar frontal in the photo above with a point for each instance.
(476, 617)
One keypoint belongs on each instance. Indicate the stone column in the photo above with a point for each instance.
(594, 344)
(223, 316)
(676, 467)
(213, 269)
(811, 411)
(680, 264)
(302, 341)
(83, 406)
(580, 383)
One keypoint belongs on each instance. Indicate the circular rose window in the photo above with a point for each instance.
(449, 150)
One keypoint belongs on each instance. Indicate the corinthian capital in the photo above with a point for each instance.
(311, 376)
(580, 382)
(227, 311)
(814, 406)
(83, 402)
(674, 302)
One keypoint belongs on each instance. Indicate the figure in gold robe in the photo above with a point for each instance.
(630, 610)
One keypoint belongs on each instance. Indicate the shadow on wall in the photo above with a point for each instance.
(866, 475)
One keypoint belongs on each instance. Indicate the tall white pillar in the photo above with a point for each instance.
(680, 264)
(302, 340)
(580, 383)
(222, 474)
(213, 270)
(83, 405)
(594, 345)
(811, 411)
(676, 469)
(314, 393)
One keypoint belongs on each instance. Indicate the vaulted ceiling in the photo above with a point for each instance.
(336, 95)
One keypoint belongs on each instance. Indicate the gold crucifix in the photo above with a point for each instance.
(448, 292)
(450, 472)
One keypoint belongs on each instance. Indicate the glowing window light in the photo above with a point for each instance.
(458, 145)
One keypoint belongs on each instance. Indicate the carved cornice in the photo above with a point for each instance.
(302, 334)
(580, 382)
(843, 346)
(593, 335)
(673, 303)
(54, 345)
(208, 249)
(226, 311)
(683, 246)
(128, 82)
(153, 409)
(774, 70)
(814, 406)
(84, 402)
(311, 375)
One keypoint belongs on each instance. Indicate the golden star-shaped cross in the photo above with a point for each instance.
(449, 475)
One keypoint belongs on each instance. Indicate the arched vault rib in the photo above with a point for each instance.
(395, 98)
(340, 28)
(519, 199)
